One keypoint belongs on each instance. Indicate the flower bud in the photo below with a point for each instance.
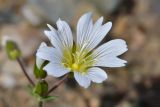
(12, 50)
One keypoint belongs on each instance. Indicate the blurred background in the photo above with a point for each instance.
(136, 21)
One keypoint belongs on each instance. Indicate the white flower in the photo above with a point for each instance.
(80, 56)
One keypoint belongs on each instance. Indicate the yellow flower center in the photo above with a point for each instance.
(75, 67)
(77, 60)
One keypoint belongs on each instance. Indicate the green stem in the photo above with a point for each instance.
(24, 71)
(40, 104)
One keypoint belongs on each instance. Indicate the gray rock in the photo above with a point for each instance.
(37, 11)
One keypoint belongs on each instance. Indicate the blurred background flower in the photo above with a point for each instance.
(136, 21)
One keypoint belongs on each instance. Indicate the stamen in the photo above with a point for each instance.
(78, 61)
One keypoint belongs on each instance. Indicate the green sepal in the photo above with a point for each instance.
(41, 88)
(40, 73)
(12, 50)
(36, 71)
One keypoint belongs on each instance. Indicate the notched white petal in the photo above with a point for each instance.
(84, 28)
(82, 80)
(111, 62)
(106, 55)
(55, 40)
(65, 33)
(97, 75)
(43, 44)
(112, 48)
(98, 34)
(52, 36)
(51, 28)
(98, 24)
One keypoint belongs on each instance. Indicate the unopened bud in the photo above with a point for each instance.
(12, 49)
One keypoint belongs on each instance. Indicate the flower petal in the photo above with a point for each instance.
(49, 53)
(55, 69)
(84, 27)
(98, 33)
(111, 62)
(89, 35)
(98, 23)
(40, 61)
(82, 79)
(97, 75)
(112, 48)
(106, 55)
(62, 38)
(54, 39)
(65, 32)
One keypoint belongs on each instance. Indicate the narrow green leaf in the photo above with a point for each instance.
(48, 98)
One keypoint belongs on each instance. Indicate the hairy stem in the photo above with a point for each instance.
(58, 83)
(24, 71)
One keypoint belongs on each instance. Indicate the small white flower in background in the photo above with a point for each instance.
(80, 56)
